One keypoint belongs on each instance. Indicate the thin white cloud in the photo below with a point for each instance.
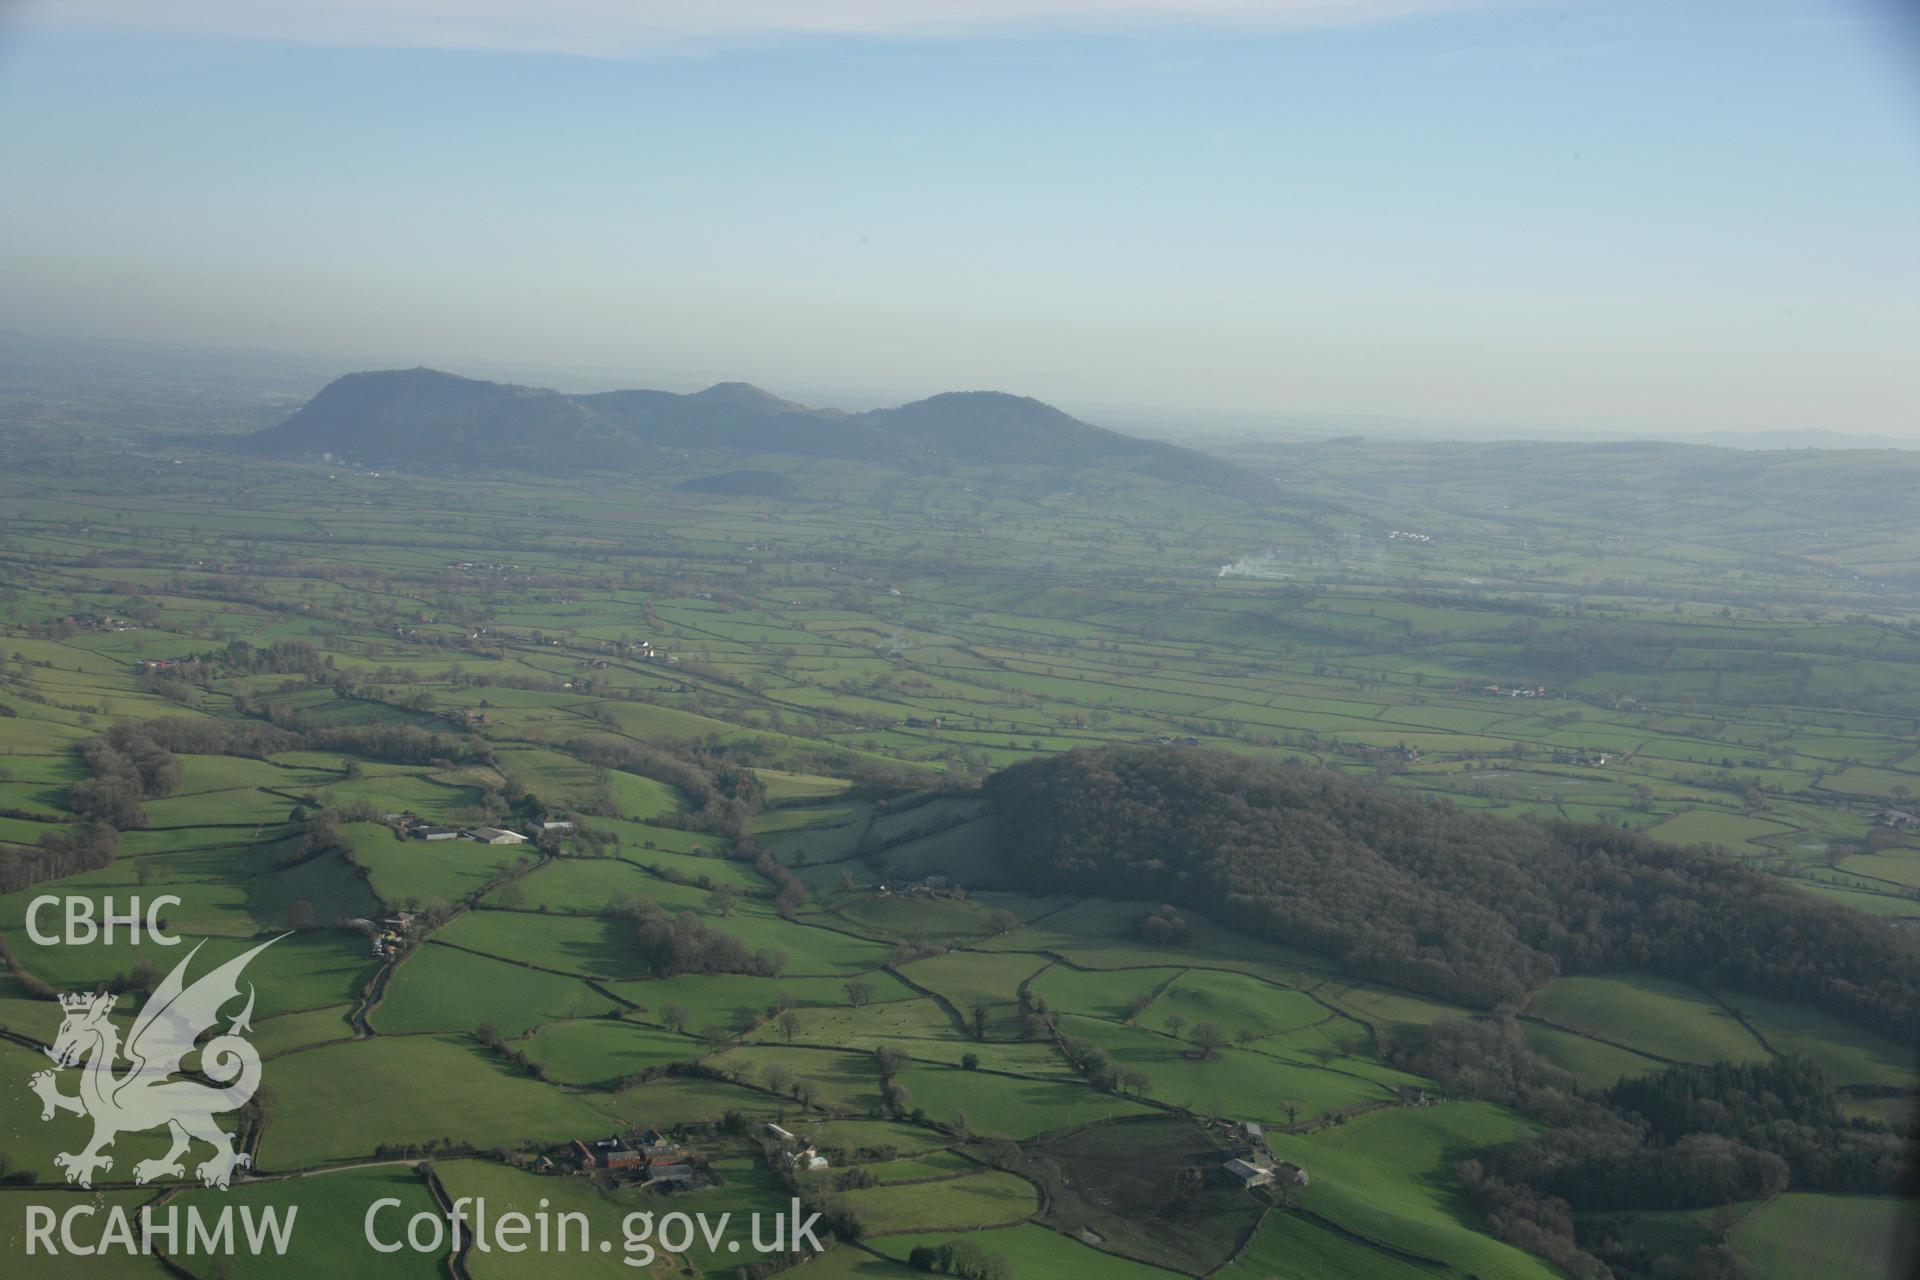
(620, 28)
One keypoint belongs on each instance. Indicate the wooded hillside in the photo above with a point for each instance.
(1428, 896)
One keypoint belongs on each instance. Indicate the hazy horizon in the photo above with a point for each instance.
(1578, 220)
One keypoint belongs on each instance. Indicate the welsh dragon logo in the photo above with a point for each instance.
(153, 1091)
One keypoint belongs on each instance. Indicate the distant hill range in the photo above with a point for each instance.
(425, 417)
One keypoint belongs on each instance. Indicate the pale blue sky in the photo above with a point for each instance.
(1676, 216)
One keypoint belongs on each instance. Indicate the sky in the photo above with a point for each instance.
(1586, 216)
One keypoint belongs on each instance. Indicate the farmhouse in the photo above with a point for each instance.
(496, 835)
(804, 1159)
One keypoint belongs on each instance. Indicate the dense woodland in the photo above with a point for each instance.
(1686, 1138)
(1427, 896)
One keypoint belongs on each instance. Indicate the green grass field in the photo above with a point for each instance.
(1009, 1107)
(428, 1087)
(983, 1199)
(442, 988)
(1649, 1015)
(1384, 1178)
(1033, 1250)
(1293, 1246)
(1803, 1236)
(331, 1224)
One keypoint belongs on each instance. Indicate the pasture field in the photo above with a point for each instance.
(932, 1167)
(1649, 1015)
(603, 1050)
(1033, 1250)
(1293, 1246)
(1383, 1008)
(896, 916)
(27, 1142)
(1236, 1082)
(1098, 994)
(586, 885)
(430, 1088)
(1596, 1064)
(1237, 1003)
(1381, 1177)
(1003, 1106)
(967, 980)
(855, 1135)
(858, 1263)
(508, 1190)
(1850, 1055)
(447, 989)
(406, 872)
(1809, 1236)
(710, 999)
(1734, 831)
(292, 1031)
(332, 1209)
(984, 1199)
(914, 1021)
(71, 1266)
(585, 946)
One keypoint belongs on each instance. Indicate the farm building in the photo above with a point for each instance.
(1247, 1173)
(672, 1177)
(496, 835)
(434, 833)
(616, 1153)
